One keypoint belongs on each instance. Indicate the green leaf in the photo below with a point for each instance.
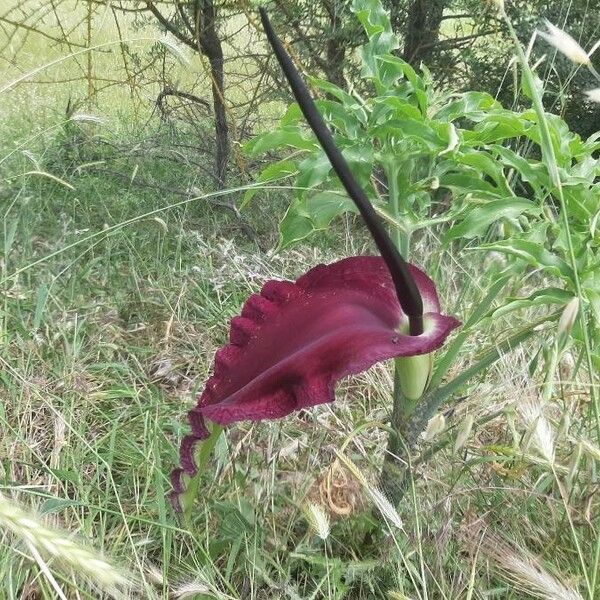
(235, 520)
(66, 475)
(417, 130)
(468, 181)
(392, 69)
(10, 229)
(534, 173)
(289, 135)
(274, 172)
(293, 115)
(498, 126)
(314, 169)
(487, 165)
(42, 296)
(325, 206)
(537, 82)
(377, 25)
(452, 137)
(479, 218)
(402, 69)
(54, 505)
(535, 255)
(472, 105)
(341, 117)
(445, 362)
(307, 215)
(566, 143)
(344, 97)
(545, 297)
(296, 225)
(593, 297)
(382, 40)
(392, 107)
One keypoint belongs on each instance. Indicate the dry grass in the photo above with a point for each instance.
(105, 343)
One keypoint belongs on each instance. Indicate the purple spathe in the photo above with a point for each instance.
(295, 340)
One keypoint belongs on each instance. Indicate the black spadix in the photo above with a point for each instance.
(407, 291)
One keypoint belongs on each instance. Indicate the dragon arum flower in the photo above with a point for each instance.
(295, 340)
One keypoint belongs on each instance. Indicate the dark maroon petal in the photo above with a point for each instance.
(178, 485)
(177, 480)
(360, 272)
(188, 444)
(199, 429)
(294, 341)
(186, 454)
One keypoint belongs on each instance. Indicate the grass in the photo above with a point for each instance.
(106, 339)
(103, 347)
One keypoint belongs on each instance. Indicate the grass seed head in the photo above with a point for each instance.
(318, 520)
(539, 431)
(565, 44)
(60, 546)
(436, 425)
(191, 589)
(593, 95)
(568, 317)
(463, 433)
(517, 565)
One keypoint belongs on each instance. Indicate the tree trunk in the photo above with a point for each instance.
(336, 46)
(201, 35)
(336, 54)
(422, 29)
(328, 49)
(210, 45)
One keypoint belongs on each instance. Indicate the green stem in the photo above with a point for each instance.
(203, 453)
(409, 419)
(551, 367)
(401, 236)
(395, 463)
(394, 468)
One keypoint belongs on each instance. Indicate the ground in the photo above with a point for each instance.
(120, 270)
